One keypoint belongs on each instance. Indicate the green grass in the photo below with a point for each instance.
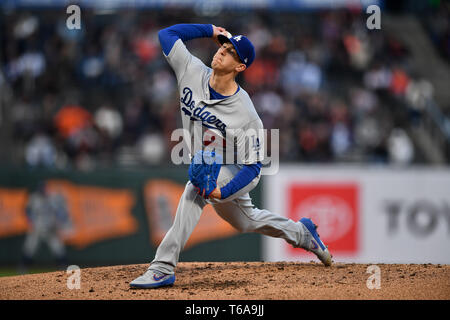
(11, 271)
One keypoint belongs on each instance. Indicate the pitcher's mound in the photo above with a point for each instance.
(243, 281)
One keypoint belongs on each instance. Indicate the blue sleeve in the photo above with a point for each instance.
(243, 178)
(168, 36)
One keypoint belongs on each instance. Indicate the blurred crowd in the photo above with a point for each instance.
(104, 95)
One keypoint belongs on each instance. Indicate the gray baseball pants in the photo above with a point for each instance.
(237, 210)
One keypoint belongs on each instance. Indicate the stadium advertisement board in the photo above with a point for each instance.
(365, 215)
(114, 216)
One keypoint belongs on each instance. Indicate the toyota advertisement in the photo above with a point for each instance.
(365, 215)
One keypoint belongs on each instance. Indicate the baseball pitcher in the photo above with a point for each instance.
(210, 99)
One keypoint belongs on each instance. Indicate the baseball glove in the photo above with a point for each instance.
(204, 170)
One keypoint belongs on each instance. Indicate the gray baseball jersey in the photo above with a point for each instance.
(226, 117)
(233, 118)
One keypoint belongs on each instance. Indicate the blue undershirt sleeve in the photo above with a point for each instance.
(168, 36)
(243, 178)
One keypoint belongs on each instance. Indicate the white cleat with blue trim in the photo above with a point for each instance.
(153, 279)
(311, 242)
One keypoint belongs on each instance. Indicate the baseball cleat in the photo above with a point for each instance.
(153, 279)
(313, 243)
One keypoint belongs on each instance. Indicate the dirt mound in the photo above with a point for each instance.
(241, 280)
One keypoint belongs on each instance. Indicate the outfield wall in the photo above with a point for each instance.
(368, 215)
(118, 217)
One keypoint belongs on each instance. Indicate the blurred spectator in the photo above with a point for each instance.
(269, 105)
(135, 118)
(25, 26)
(70, 119)
(378, 77)
(399, 82)
(358, 48)
(340, 136)
(299, 75)
(152, 148)
(92, 65)
(109, 121)
(23, 117)
(340, 139)
(262, 74)
(260, 35)
(418, 92)
(400, 147)
(164, 86)
(364, 101)
(146, 45)
(80, 139)
(40, 152)
(28, 64)
(368, 134)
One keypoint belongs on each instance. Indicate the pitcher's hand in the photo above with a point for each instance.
(215, 194)
(217, 31)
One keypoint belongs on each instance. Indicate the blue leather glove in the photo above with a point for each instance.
(204, 170)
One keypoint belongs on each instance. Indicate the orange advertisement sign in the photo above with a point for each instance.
(96, 213)
(13, 220)
(161, 202)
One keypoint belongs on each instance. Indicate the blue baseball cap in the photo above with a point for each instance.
(243, 47)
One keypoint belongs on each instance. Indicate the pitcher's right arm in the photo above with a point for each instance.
(172, 41)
